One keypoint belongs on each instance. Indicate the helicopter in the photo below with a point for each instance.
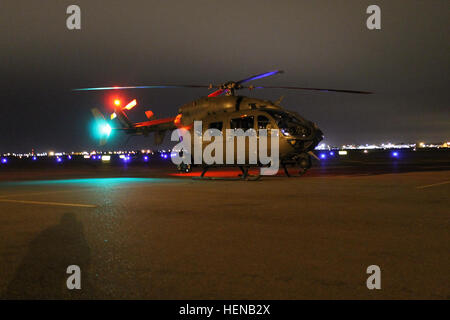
(223, 109)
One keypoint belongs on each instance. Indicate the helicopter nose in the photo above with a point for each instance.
(318, 136)
(315, 138)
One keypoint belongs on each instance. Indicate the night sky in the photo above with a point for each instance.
(317, 44)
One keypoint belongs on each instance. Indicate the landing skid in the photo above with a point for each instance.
(301, 172)
(244, 176)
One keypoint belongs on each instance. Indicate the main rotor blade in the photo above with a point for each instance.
(312, 89)
(143, 87)
(216, 93)
(259, 76)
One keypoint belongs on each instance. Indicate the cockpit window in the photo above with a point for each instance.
(283, 118)
(289, 124)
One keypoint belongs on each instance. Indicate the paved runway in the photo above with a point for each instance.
(142, 232)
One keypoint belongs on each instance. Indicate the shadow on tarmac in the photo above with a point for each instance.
(42, 273)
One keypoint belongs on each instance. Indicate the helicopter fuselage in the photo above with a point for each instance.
(297, 136)
(230, 115)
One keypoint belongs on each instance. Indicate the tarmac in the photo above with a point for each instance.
(142, 231)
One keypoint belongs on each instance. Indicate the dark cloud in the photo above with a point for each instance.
(317, 43)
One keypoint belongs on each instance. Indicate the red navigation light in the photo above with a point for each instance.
(149, 114)
(117, 102)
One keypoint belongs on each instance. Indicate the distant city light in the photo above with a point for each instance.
(106, 158)
(322, 146)
(391, 150)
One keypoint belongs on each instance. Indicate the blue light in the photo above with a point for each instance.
(395, 154)
(331, 153)
(4, 160)
(323, 156)
(58, 159)
(69, 157)
(34, 158)
(146, 158)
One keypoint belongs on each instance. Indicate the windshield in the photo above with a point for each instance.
(284, 119)
(289, 124)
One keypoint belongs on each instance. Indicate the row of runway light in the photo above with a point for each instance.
(126, 158)
(331, 154)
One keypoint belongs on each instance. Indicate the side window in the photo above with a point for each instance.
(235, 123)
(216, 125)
(244, 123)
(263, 121)
(247, 123)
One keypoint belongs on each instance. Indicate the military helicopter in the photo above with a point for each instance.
(223, 109)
